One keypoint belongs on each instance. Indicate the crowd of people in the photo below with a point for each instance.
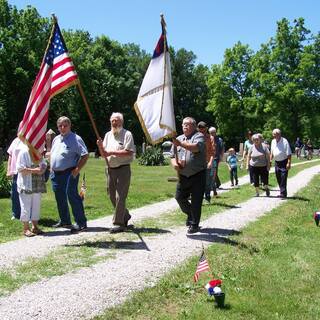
(303, 149)
(195, 155)
(67, 157)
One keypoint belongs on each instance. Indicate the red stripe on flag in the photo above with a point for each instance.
(61, 85)
(65, 60)
(62, 73)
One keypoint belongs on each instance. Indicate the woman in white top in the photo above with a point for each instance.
(30, 183)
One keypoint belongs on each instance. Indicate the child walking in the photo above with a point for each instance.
(232, 163)
(30, 183)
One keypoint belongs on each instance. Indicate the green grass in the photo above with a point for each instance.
(88, 252)
(148, 185)
(269, 271)
(56, 263)
(223, 202)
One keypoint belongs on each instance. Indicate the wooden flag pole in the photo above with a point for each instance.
(164, 31)
(91, 120)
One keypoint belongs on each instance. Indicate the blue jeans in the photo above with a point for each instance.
(65, 187)
(16, 210)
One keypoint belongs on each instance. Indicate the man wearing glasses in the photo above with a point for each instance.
(68, 156)
(191, 165)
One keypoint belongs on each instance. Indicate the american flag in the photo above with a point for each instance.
(201, 267)
(56, 74)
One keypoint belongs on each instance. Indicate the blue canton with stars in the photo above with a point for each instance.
(56, 46)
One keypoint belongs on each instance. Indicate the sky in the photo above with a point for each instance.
(206, 27)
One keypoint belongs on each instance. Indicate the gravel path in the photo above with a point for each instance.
(89, 291)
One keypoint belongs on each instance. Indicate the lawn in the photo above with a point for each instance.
(269, 271)
(148, 185)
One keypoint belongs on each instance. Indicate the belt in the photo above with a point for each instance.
(60, 172)
(124, 165)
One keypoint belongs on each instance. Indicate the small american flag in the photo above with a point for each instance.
(56, 74)
(201, 267)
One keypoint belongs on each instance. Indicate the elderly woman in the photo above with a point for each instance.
(258, 161)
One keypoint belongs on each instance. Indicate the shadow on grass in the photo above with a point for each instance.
(218, 235)
(47, 222)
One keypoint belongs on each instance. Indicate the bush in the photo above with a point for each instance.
(5, 185)
(152, 157)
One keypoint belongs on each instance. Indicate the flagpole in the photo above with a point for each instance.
(91, 120)
(55, 20)
(165, 49)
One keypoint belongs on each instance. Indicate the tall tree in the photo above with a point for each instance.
(231, 100)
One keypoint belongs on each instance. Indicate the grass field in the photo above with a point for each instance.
(269, 271)
(148, 185)
(88, 253)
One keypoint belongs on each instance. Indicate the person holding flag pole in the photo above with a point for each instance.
(57, 73)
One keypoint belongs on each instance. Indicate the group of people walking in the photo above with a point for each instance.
(66, 158)
(195, 154)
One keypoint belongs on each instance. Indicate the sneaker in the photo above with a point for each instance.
(13, 218)
(268, 192)
(62, 225)
(232, 185)
(193, 229)
(76, 228)
(236, 182)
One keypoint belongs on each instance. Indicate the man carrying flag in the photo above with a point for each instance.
(154, 105)
(56, 74)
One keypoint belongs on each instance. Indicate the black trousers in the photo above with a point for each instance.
(193, 186)
(260, 173)
(282, 175)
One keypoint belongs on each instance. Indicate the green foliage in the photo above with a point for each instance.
(152, 157)
(5, 185)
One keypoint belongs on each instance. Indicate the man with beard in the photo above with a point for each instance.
(118, 148)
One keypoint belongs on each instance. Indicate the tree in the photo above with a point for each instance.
(23, 37)
(231, 98)
(190, 91)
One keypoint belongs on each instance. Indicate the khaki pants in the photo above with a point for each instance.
(118, 186)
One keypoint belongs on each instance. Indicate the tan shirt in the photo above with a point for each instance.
(121, 141)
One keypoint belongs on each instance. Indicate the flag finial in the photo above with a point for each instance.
(54, 18)
(163, 23)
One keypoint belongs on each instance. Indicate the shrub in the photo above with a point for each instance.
(5, 185)
(152, 157)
